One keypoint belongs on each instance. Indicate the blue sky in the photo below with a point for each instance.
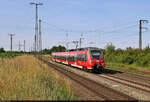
(100, 21)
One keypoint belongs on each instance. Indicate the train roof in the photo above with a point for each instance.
(83, 49)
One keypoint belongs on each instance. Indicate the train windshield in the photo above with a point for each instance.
(96, 54)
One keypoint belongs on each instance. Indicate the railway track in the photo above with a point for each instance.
(126, 82)
(129, 75)
(129, 83)
(100, 90)
(134, 82)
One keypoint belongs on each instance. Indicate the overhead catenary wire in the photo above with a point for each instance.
(84, 31)
(115, 30)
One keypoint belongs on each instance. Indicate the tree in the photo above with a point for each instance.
(45, 51)
(110, 49)
(58, 49)
(147, 49)
(54, 49)
(119, 51)
(2, 50)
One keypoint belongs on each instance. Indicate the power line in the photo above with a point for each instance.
(118, 30)
(85, 31)
(115, 26)
(125, 27)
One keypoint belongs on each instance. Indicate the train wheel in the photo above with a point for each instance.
(101, 70)
(84, 68)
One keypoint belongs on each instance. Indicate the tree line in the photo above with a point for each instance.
(53, 49)
(129, 56)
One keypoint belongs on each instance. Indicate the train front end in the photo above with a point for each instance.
(97, 60)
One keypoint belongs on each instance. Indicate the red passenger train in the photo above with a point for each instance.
(90, 58)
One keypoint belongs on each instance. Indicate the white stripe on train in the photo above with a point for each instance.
(73, 65)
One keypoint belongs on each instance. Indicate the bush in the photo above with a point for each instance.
(128, 60)
(143, 61)
(128, 56)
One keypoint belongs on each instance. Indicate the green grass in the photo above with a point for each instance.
(126, 68)
(9, 54)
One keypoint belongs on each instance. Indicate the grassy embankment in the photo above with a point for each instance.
(129, 60)
(23, 78)
(128, 68)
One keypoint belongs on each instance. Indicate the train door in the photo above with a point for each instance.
(78, 61)
(81, 60)
(84, 60)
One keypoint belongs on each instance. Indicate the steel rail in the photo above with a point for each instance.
(99, 89)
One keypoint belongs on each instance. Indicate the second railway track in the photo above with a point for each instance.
(100, 90)
(129, 83)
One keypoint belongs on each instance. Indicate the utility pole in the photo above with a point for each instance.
(67, 44)
(81, 39)
(40, 36)
(31, 49)
(11, 35)
(67, 40)
(24, 45)
(19, 46)
(140, 32)
(36, 24)
(76, 43)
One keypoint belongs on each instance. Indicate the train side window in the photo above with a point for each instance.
(68, 58)
(64, 58)
(85, 57)
(82, 57)
(73, 60)
(78, 56)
